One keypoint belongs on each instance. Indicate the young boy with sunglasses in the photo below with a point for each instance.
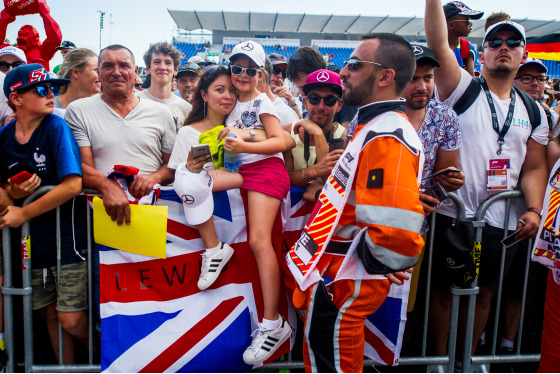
(459, 25)
(39, 149)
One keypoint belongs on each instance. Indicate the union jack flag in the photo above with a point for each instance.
(154, 318)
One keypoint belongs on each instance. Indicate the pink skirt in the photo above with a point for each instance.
(268, 176)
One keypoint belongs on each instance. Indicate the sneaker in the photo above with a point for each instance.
(212, 265)
(266, 342)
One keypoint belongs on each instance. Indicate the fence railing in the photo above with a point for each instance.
(432, 363)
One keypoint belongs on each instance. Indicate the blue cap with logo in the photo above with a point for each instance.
(26, 76)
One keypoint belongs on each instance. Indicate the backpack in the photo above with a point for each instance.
(473, 90)
(465, 48)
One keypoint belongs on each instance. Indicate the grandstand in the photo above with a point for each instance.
(334, 36)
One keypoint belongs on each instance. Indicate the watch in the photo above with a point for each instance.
(291, 105)
(535, 210)
(252, 133)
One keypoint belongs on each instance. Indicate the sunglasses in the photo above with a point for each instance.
(497, 42)
(43, 90)
(468, 21)
(526, 79)
(137, 85)
(276, 71)
(238, 70)
(329, 100)
(354, 64)
(5, 66)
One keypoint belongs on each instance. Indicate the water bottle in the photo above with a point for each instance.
(231, 160)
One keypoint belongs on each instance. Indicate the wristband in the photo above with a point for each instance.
(303, 176)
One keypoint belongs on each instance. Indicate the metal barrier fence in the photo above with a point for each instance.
(432, 363)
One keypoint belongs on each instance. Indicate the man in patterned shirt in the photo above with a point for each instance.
(438, 130)
(437, 127)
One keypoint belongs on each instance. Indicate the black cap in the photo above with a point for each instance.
(278, 60)
(422, 52)
(454, 8)
(66, 44)
(189, 67)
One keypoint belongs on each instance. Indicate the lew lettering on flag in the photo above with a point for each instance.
(154, 318)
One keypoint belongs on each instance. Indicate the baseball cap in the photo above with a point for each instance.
(66, 44)
(454, 8)
(26, 76)
(251, 49)
(195, 191)
(506, 25)
(278, 60)
(189, 67)
(323, 78)
(14, 51)
(422, 52)
(531, 61)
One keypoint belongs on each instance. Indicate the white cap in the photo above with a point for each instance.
(506, 25)
(195, 190)
(14, 51)
(251, 49)
(531, 61)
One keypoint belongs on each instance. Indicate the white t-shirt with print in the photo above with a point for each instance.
(479, 146)
(247, 116)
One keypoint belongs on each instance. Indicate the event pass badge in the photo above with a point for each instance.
(498, 175)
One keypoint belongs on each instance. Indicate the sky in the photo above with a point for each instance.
(137, 23)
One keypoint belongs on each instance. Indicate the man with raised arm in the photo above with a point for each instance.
(500, 140)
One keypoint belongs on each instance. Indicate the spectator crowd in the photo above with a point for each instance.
(376, 146)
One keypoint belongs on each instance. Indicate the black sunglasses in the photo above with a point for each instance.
(138, 85)
(329, 100)
(354, 64)
(277, 70)
(497, 42)
(5, 66)
(43, 90)
(238, 70)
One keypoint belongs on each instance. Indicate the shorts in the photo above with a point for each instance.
(490, 255)
(71, 295)
(268, 176)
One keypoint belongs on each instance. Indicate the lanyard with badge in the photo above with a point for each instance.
(498, 173)
(509, 117)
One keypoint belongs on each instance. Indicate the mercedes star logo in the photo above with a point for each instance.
(247, 47)
(187, 199)
(417, 50)
(323, 76)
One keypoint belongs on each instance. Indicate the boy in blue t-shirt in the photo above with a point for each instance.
(39, 149)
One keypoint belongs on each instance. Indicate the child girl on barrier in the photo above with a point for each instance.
(266, 180)
(38, 149)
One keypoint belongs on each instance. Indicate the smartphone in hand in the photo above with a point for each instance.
(20, 177)
(200, 150)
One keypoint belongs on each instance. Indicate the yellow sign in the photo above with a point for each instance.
(146, 234)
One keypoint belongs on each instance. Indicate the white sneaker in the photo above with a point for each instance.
(266, 342)
(212, 265)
